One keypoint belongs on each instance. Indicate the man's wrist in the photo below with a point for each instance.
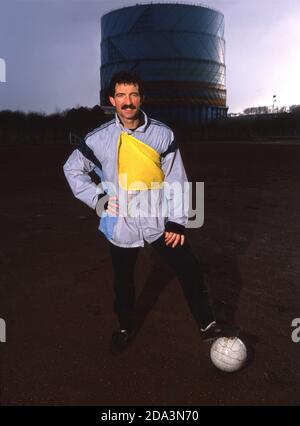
(174, 227)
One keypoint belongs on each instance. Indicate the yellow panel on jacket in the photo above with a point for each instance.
(138, 164)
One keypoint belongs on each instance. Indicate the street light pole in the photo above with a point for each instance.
(274, 100)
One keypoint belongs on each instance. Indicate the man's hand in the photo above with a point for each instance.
(174, 239)
(113, 206)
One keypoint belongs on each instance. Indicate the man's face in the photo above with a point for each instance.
(127, 100)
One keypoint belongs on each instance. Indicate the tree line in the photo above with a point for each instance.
(17, 127)
(37, 128)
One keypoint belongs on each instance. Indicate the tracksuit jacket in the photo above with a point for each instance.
(99, 153)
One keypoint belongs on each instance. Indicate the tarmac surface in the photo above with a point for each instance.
(56, 286)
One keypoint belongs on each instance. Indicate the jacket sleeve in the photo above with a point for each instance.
(76, 170)
(176, 189)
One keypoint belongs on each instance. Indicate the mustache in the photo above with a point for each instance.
(128, 106)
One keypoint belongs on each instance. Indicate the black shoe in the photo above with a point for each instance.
(120, 339)
(215, 330)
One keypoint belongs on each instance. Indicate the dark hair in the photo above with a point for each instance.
(126, 77)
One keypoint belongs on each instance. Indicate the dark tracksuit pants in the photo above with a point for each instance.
(187, 269)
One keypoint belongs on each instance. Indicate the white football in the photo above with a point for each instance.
(228, 354)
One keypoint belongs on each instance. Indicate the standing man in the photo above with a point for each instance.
(137, 158)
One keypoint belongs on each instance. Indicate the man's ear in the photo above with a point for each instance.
(142, 99)
(112, 101)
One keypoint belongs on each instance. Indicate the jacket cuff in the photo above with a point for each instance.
(174, 227)
(101, 196)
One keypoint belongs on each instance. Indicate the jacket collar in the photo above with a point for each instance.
(140, 128)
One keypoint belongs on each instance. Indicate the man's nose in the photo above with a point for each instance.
(127, 99)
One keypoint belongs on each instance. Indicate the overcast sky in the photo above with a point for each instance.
(52, 52)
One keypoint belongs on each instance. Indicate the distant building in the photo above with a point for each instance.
(179, 52)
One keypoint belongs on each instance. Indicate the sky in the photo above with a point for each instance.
(51, 52)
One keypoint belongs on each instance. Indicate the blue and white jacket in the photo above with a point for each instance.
(99, 153)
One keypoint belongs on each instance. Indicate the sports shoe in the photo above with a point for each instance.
(120, 339)
(214, 330)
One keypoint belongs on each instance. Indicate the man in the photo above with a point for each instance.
(137, 156)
